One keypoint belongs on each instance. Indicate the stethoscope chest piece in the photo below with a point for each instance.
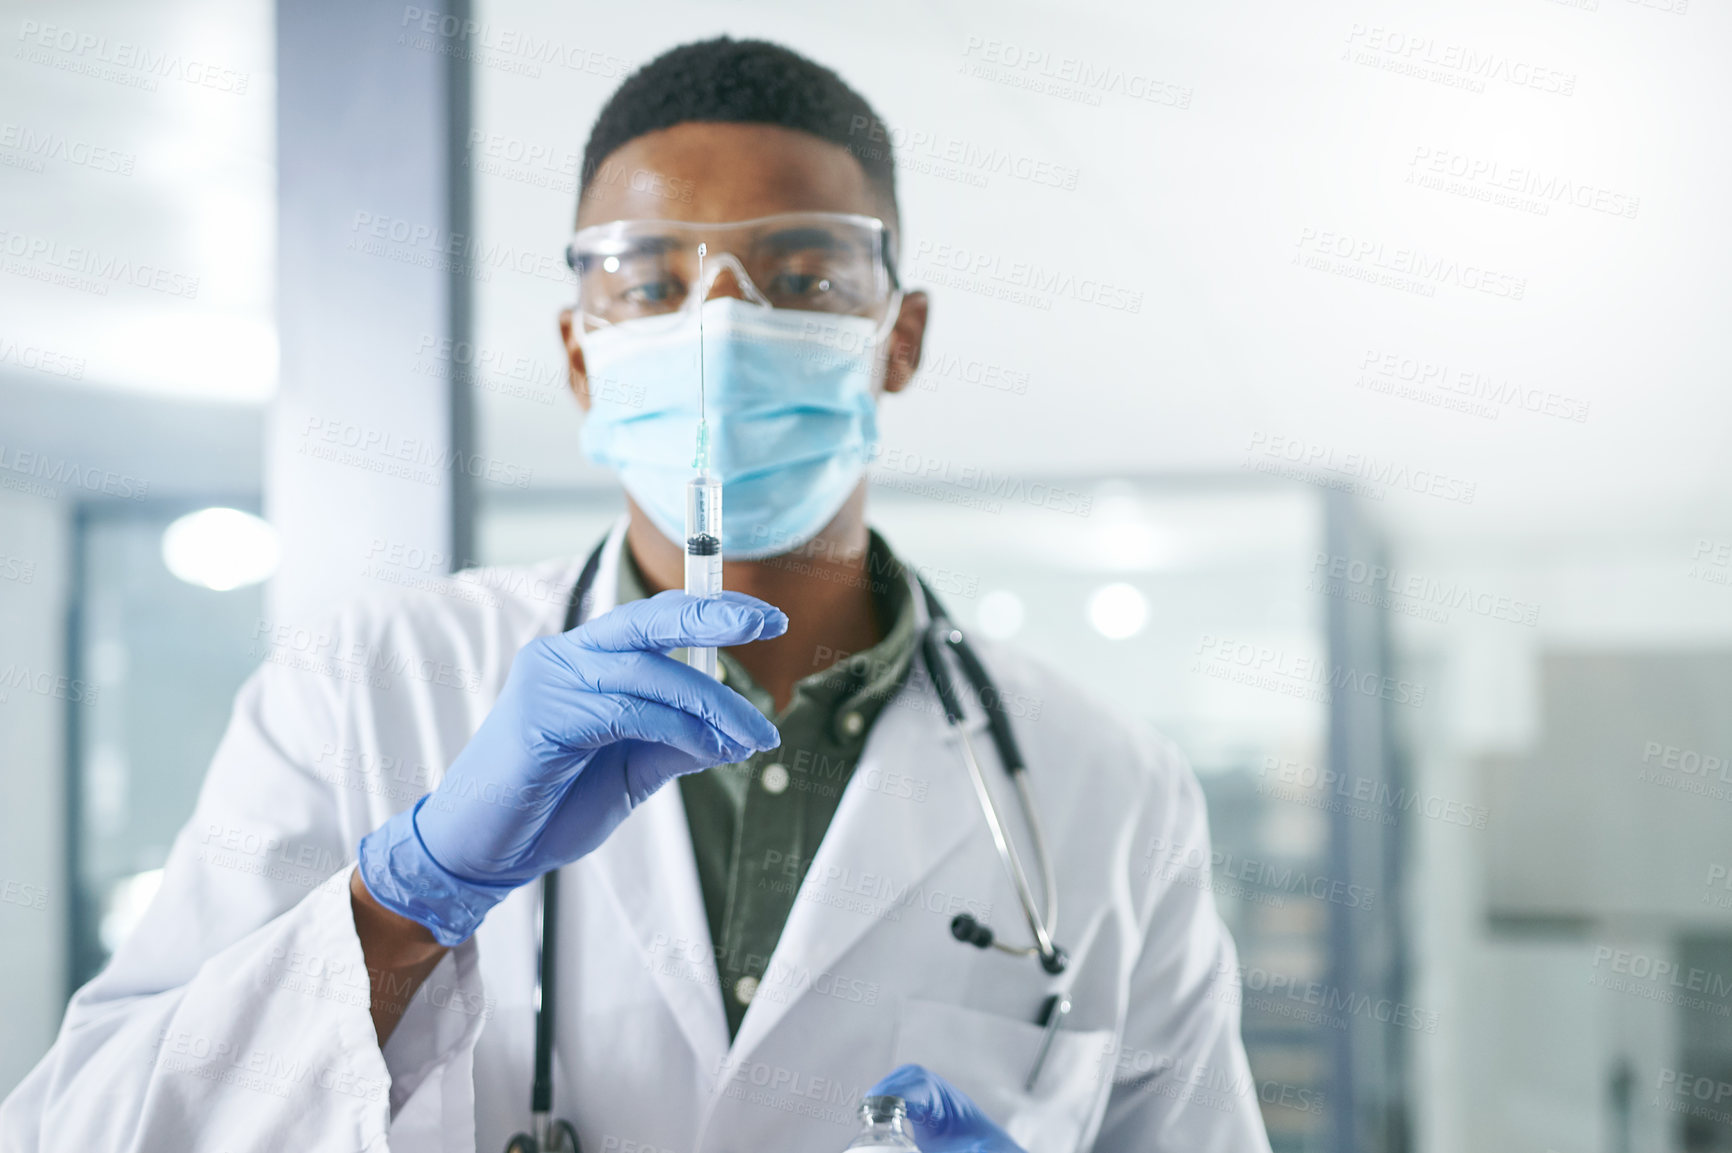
(554, 1137)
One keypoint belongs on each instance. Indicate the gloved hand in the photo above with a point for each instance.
(943, 1118)
(589, 724)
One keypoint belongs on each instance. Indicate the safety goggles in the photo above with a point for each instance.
(831, 262)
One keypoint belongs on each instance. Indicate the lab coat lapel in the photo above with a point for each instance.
(877, 852)
(649, 866)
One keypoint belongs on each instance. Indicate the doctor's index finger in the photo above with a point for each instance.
(674, 620)
(661, 679)
(655, 723)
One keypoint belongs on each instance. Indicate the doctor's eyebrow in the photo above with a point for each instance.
(642, 246)
(639, 248)
(791, 239)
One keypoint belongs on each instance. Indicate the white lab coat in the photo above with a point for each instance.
(236, 1016)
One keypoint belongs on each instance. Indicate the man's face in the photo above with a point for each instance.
(737, 172)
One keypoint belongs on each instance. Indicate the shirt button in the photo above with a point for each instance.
(745, 989)
(853, 724)
(774, 779)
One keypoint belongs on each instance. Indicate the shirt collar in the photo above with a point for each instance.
(857, 684)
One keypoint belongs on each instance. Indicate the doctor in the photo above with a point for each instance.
(343, 952)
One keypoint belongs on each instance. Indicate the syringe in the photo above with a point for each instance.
(703, 505)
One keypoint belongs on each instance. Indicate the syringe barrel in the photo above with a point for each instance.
(703, 553)
(703, 509)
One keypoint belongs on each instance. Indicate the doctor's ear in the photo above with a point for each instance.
(906, 337)
(576, 378)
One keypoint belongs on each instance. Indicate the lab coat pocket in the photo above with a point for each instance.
(989, 1056)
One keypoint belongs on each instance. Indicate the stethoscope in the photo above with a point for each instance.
(551, 1135)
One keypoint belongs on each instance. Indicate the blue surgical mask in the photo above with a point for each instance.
(791, 415)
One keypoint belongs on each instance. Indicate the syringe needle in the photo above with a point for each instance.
(701, 461)
(703, 405)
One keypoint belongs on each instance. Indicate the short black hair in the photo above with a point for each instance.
(742, 82)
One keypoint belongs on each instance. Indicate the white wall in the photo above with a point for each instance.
(1203, 209)
(137, 193)
(33, 882)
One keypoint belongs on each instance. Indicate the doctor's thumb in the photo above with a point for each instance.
(943, 1117)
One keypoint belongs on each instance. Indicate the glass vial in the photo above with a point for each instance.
(883, 1125)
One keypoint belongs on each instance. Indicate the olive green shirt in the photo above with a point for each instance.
(756, 825)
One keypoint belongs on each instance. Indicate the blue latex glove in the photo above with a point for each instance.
(589, 724)
(943, 1118)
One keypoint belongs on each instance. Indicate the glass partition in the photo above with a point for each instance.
(165, 658)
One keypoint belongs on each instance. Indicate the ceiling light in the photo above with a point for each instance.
(220, 548)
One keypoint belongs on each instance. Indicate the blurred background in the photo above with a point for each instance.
(1342, 387)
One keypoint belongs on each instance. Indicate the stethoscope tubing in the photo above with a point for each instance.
(940, 635)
